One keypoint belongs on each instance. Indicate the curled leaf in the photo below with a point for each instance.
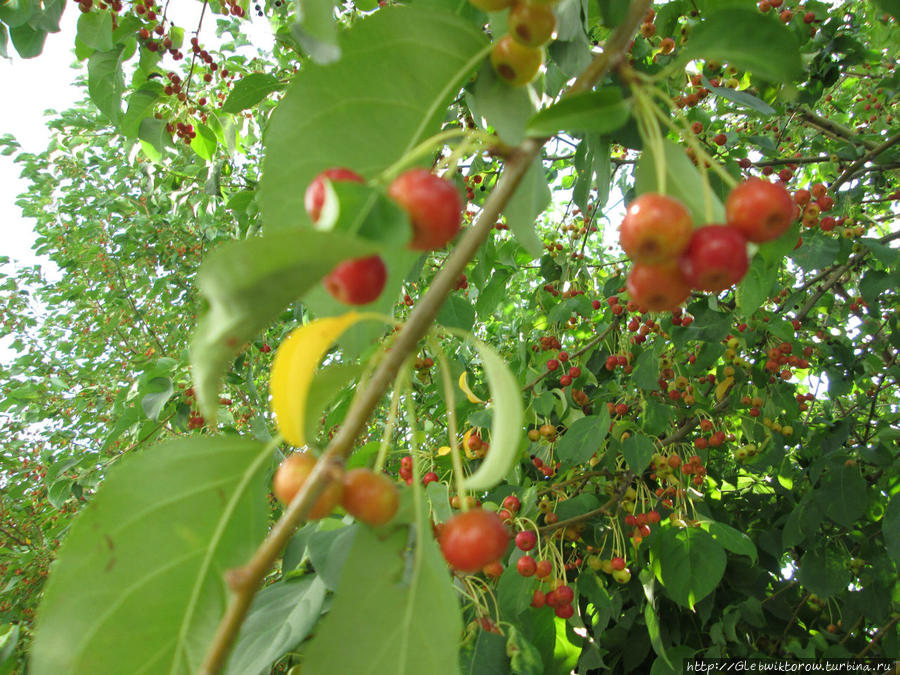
(293, 369)
(506, 427)
(464, 385)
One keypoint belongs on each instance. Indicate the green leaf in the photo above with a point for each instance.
(524, 657)
(754, 288)
(204, 143)
(153, 133)
(890, 528)
(843, 494)
(140, 107)
(4, 40)
(138, 583)
(250, 90)
(506, 109)
(823, 572)
(106, 82)
(281, 616)
(732, 540)
(28, 41)
(683, 182)
(529, 200)
(17, 12)
(492, 295)
(95, 30)
(8, 641)
(247, 283)
(741, 98)
(514, 592)
(406, 600)
(583, 438)
(600, 111)
(457, 312)
(487, 656)
(160, 390)
(506, 428)
(766, 48)
(59, 492)
(316, 30)
(48, 19)
(638, 451)
(688, 562)
(646, 370)
(388, 93)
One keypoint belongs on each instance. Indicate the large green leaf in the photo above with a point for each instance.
(688, 562)
(247, 284)
(754, 288)
(95, 30)
(138, 585)
(106, 82)
(281, 616)
(395, 611)
(399, 71)
(598, 111)
(28, 41)
(250, 90)
(638, 450)
(765, 47)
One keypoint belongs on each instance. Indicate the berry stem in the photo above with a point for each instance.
(389, 425)
(449, 397)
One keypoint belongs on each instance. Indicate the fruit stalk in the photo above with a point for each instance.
(250, 576)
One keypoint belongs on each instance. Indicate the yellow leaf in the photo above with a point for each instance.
(294, 367)
(464, 385)
(444, 450)
(723, 387)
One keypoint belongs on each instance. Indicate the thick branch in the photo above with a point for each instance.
(834, 129)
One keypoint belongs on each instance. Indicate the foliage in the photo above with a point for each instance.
(740, 455)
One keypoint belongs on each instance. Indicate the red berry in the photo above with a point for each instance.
(526, 566)
(544, 569)
(526, 540)
(564, 595)
(574, 372)
(656, 229)
(369, 497)
(565, 380)
(760, 210)
(290, 477)
(512, 503)
(433, 205)
(552, 364)
(471, 540)
(314, 198)
(430, 477)
(539, 599)
(658, 287)
(715, 259)
(357, 282)
(564, 611)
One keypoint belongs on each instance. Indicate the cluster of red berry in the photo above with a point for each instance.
(671, 257)
(435, 212)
